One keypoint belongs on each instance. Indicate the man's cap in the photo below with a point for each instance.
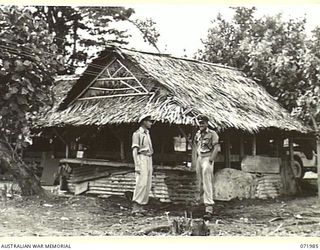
(144, 117)
(202, 118)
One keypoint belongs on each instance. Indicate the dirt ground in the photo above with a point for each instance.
(83, 216)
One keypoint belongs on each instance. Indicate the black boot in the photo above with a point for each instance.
(207, 216)
(137, 210)
(209, 213)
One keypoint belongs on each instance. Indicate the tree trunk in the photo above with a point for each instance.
(316, 128)
(27, 180)
(188, 226)
(318, 164)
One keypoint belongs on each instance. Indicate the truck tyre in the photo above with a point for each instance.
(297, 170)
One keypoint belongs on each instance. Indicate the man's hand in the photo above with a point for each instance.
(214, 153)
(136, 160)
(138, 171)
(137, 167)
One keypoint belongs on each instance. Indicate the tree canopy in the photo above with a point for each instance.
(27, 68)
(80, 31)
(37, 44)
(277, 53)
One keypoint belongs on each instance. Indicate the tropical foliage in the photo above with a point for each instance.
(81, 31)
(277, 53)
(37, 44)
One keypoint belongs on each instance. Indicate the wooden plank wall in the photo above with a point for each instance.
(267, 170)
(269, 175)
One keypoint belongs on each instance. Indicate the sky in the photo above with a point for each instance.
(182, 27)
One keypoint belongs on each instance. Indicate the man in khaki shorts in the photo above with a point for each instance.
(207, 144)
(142, 155)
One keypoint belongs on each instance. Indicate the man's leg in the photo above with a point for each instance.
(136, 208)
(136, 198)
(199, 180)
(207, 173)
(140, 196)
(149, 179)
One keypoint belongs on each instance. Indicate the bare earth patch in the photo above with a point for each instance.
(82, 215)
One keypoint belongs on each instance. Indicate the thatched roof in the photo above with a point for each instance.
(181, 88)
(63, 85)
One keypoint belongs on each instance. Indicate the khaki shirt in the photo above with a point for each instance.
(141, 140)
(206, 141)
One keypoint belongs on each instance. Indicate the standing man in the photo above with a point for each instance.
(207, 144)
(142, 155)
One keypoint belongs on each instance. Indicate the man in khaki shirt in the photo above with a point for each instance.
(142, 151)
(207, 144)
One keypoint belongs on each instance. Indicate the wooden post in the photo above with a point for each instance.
(193, 150)
(64, 141)
(67, 150)
(316, 129)
(318, 164)
(227, 151)
(184, 134)
(279, 145)
(254, 145)
(118, 133)
(162, 151)
(241, 148)
(276, 148)
(194, 157)
(291, 186)
(122, 153)
(291, 153)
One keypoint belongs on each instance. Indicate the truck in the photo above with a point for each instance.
(304, 155)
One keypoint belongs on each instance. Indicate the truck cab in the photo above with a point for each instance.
(305, 157)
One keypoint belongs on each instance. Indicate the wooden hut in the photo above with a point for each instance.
(95, 115)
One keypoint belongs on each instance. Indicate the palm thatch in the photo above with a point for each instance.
(63, 85)
(181, 89)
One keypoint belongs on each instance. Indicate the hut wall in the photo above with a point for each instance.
(104, 143)
(269, 175)
(113, 176)
(167, 185)
(172, 185)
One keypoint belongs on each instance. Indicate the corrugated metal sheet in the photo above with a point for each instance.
(167, 186)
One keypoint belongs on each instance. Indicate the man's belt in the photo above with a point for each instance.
(145, 153)
(211, 148)
(208, 153)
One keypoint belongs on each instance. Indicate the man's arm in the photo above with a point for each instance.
(135, 150)
(195, 144)
(135, 159)
(216, 147)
